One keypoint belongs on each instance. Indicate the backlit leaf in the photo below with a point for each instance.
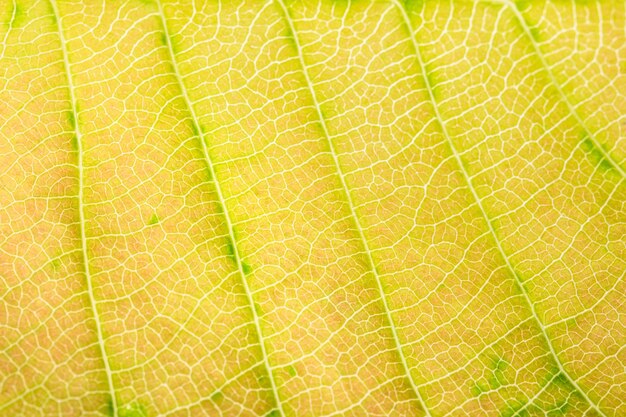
(312, 208)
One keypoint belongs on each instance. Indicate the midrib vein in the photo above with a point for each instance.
(220, 196)
(368, 253)
(81, 211)
(570, 107)
(470, 186)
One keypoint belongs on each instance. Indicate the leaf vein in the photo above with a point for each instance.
(368, 253)
(570, 107)
(81, 211)
(229, 224)
(479, 202)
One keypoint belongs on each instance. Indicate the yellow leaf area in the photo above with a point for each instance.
(312, 208)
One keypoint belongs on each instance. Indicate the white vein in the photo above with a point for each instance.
(81, 211)
(6, 35)
(229, 223)
(351, 206)
(557, 86)
(479, 202)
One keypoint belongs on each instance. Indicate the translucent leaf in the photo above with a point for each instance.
(312, 208)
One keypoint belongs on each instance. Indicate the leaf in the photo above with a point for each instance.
(292, 208)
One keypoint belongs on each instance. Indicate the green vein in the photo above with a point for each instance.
(9, 28)
(81, 211)
(351, 205)
(466, 176)
(229, 224)
(570, 107)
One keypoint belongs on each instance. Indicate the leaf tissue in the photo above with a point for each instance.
(312, 208)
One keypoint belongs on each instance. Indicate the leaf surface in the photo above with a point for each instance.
(293, 208)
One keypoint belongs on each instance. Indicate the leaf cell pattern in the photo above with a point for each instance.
(312, 208)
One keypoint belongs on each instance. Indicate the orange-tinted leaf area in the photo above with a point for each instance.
(312, 208)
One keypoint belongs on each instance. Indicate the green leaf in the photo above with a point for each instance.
(312, 208)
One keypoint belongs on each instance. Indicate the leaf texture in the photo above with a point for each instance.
(312, 208)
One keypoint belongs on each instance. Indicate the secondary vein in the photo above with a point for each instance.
(468, 180)
(81, 211)
(368, 253)
(570, 107)
(220, 195)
